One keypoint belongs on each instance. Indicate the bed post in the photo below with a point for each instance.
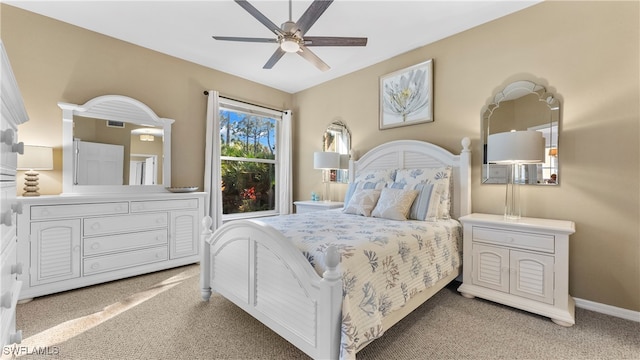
(330, 308)
(465, 177)
(205, 258)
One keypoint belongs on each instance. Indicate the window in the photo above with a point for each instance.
(248, 158)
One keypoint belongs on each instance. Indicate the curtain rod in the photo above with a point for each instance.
(206, 93)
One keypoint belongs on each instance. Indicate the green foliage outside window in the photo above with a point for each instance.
(248, 162)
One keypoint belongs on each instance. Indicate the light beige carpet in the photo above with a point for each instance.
(161, 316)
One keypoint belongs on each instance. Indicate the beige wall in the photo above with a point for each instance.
(585, 52)
(54, 61)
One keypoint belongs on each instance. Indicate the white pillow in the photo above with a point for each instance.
(362, 202)
(440, 177)
(394, 204)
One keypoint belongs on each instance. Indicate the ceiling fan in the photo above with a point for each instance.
(291, 37)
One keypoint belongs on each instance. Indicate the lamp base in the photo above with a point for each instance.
(326, 194)
(31, 184)
(512, 196)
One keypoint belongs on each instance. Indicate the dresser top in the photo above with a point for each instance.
(528, 223)
(83, 198)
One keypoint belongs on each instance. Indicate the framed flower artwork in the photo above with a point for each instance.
(406, 96)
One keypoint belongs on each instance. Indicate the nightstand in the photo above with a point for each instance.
(309, 206)
(520, 263)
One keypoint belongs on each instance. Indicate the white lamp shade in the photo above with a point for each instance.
(36, 158)
(516, 147)
(326, 160)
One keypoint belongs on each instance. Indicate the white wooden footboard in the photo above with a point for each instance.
(262, 272)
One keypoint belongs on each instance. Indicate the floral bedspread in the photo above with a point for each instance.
(384, 263)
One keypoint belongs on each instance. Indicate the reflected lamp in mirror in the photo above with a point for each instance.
(34, 158)
(326, 160)
(516, 149)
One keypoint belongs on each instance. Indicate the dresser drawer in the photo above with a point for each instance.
(127, 223)
(516, 239)
(45, 212)
(96, 265)
(154, 205)
(7, 217)
(105, 244)
(8, 270)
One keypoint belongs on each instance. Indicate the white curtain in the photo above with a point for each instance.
(212, 174)
(212, 171)
(284, 176)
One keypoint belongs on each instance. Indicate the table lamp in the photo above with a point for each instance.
(515, 148)
(326, 160)
(34, 158)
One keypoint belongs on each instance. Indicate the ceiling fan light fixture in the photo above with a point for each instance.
(289, 45)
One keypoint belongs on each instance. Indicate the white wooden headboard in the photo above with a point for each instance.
(410, 154)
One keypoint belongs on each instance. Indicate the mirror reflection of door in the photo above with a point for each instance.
(143, 169)
(98, 164)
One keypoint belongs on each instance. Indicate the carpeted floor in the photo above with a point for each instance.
(161, 316)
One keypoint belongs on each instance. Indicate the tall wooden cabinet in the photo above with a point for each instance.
(521, 263)
(13, 114)
(71, 241)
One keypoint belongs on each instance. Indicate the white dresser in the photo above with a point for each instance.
(13, 114)
(521, 263)
(67, 242)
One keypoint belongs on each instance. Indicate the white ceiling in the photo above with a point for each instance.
(183, 29)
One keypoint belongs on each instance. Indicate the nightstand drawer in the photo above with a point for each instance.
(516, 239)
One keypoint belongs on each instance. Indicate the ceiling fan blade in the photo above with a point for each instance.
(312, 14)
(274, 58)
(313, 58)
(334, 41)
(260, 17)
(245, 39)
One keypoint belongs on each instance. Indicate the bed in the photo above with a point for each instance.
(290, 272)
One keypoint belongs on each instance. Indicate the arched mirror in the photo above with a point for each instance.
(114, 144)
(523, 105)
(337, 138)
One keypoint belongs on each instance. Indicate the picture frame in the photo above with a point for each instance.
(406, 96)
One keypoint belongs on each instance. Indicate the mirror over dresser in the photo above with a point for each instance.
(115, 218)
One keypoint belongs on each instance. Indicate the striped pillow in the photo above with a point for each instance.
(423, 201)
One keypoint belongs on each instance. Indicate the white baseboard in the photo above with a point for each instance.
(608, 309)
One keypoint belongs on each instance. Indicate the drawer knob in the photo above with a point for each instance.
(7, 218)
(16, 337)
(95, 246)
(8, 136)
(18, 148)
(17, 207)
(76, 248)
(16, 268)
(160, 221)
(5, 300)
(95, 226)
(95, 266)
